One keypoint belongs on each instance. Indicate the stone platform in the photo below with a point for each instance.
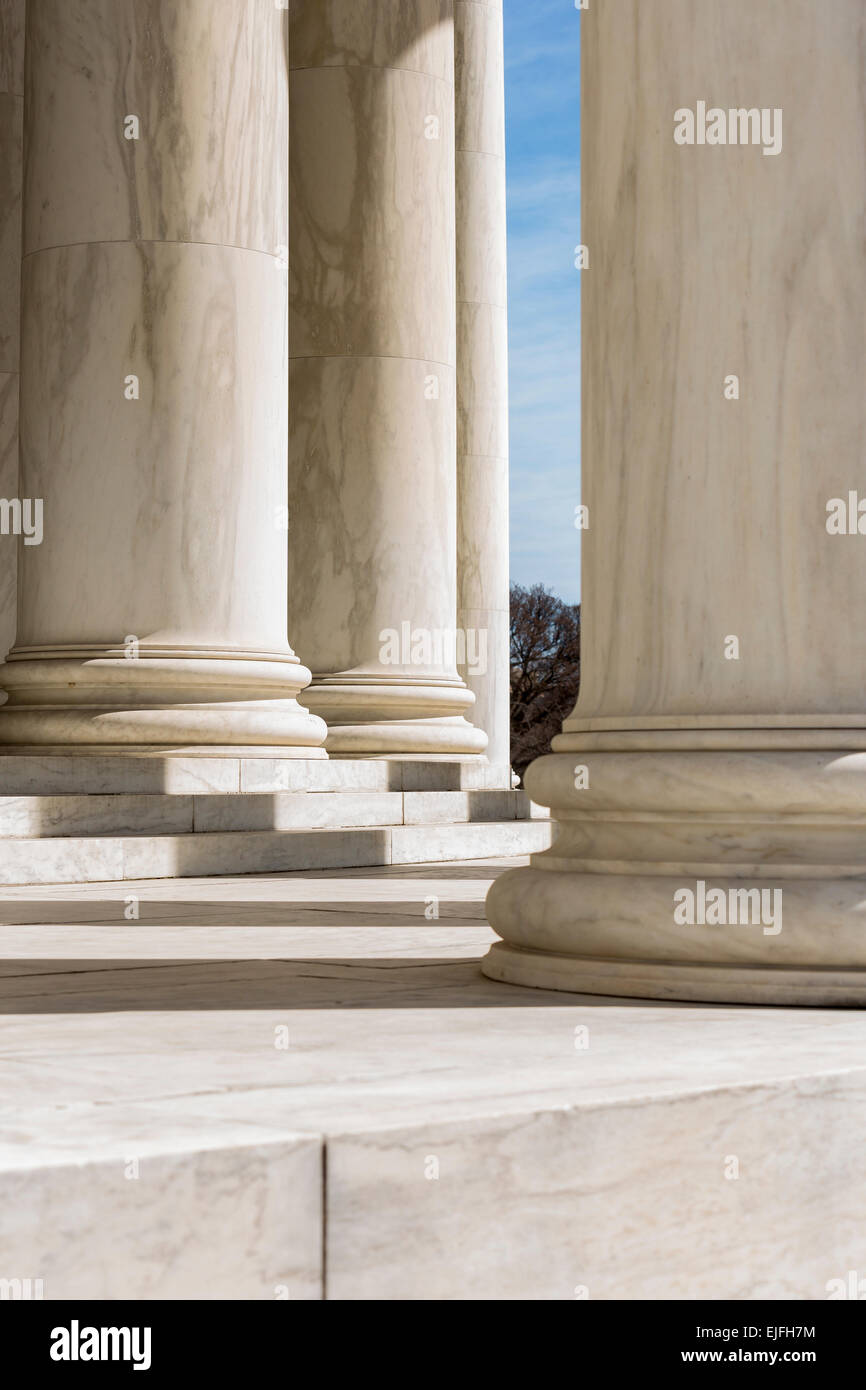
(301, 1086)
(116, 817)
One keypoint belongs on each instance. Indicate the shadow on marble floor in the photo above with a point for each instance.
(292, 974)
(91, 986)
(73, 986)
(232, 901)
(180, 913)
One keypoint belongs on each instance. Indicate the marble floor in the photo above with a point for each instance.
(301, 1086)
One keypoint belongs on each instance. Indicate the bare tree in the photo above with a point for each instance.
(545, 670)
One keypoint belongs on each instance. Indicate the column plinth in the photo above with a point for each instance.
(152, 609)
(709, 790)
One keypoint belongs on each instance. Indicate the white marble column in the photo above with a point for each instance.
(715, 766)
(153, 380)
(11, 127)
(482, 369)
(372, 459)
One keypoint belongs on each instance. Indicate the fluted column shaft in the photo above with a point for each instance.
(11, 130)
(372, 460)
(710, 787)
(153, 397)
(482, 369)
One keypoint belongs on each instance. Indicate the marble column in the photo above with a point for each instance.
(372, 457)
(11, 127)
(153, 380)
(482, 370)
(710, 787)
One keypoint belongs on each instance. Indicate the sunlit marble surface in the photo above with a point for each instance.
(722, 652)
(707, 515)
(580, 1143)
(154, 380)
(372, 339)
(207, 85)
(194, 550)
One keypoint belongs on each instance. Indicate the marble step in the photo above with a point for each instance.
(425, 1134)
(83, 774)
(41, 817)
(115, 858)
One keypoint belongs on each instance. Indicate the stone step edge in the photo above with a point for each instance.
(315, 1150)
(70, 774)
(110, 859)
(116, 813)
(494, 1112)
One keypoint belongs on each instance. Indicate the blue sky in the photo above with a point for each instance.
(542, 112)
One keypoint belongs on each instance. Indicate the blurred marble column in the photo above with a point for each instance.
(153, 380)
(372, 458)
(718, 746)
(482, 369)
(11, 127)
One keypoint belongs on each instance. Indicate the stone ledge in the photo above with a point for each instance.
(94, 859)
(36, 772)
(156, 813)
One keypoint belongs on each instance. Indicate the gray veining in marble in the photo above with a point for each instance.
(207, 84)
(372, 335)
(717, 733)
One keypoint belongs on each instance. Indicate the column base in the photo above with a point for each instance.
(725, 876)
(372, 718)
(167, 697)
(711, 984)
(446, 739)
